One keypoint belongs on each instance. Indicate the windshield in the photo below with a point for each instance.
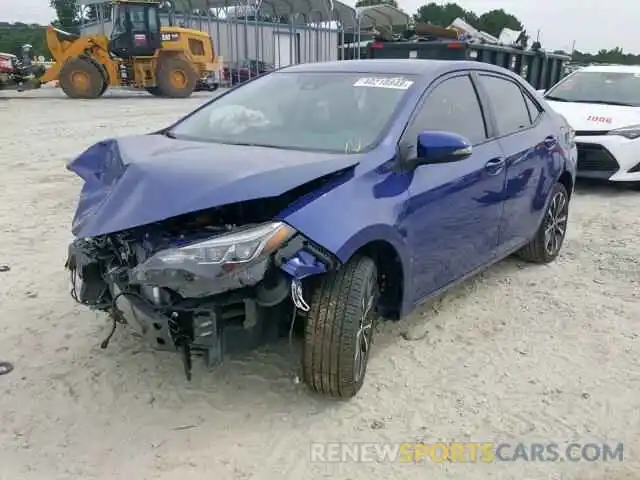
(137, 14)
(615, 88)
(332, 112)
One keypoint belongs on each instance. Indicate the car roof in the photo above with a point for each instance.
(422, 67)
(611, 68)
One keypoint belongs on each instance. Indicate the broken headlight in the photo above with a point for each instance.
(220, 263)
(233, 248)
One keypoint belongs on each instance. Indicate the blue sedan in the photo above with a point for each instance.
(317, 200)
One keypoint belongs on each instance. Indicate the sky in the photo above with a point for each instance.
(592, 24)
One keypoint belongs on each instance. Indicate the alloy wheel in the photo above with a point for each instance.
(364, 335)
(556, 223)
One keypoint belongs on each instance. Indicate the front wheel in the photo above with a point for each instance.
(81, 78)
(546, 245)
(339, 329)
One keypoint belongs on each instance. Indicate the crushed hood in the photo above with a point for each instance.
(135, 181)
(596, 117)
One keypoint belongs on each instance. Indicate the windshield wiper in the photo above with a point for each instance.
(607, 102)
(598, 102)
(555, 99)
(262, 145)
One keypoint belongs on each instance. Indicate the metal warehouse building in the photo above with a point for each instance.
(279, 32)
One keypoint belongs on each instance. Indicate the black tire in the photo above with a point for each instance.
(340, 324)
(169, 70)
(81, 78)
(543, 248)
(155, 91)
(105, 77)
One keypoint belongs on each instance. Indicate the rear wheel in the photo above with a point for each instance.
(176, 78)
(546, 245)
(339, 329)
(81, 78)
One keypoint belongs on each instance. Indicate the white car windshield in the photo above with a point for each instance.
(613, 88)
(324, 111)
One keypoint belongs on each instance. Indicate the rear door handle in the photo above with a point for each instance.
(495, 165)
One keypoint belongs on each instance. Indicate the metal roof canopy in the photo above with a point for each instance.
(311, 11)
(346, 15)
(381, 15)
(86, 3)
(315, 11)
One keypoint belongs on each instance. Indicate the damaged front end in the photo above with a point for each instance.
(202, 283)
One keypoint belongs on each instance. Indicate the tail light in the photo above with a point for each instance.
(377, 45)
(456, 45)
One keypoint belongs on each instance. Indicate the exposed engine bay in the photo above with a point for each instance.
(205, 283)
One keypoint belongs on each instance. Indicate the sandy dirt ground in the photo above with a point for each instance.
(518, 354)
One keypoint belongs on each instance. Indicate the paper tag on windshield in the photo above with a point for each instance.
(397, 83)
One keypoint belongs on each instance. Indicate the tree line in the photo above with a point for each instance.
(13, 35)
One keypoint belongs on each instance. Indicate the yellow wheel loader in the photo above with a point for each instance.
(166, 61)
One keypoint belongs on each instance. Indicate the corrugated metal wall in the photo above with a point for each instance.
(276, 44)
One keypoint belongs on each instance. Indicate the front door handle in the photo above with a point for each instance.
(495, 165)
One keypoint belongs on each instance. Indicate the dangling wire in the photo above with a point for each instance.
(299, 304)
(114, 324)
(297, 297)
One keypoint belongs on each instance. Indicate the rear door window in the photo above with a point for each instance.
(451, 106)
(508, 102)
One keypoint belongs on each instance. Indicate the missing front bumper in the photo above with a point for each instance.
(228, 324)
(223, 314)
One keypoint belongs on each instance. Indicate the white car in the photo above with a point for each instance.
(602, 104)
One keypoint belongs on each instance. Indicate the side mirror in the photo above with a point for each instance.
(440, 147)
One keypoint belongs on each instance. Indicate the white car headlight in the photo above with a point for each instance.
(240, 246)
(631, 132)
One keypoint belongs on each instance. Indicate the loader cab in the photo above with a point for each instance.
(136, 30)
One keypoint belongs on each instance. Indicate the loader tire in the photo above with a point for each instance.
(176, 78)
(105, 77)
(155, 91)
(80, 78)
(339, 329)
